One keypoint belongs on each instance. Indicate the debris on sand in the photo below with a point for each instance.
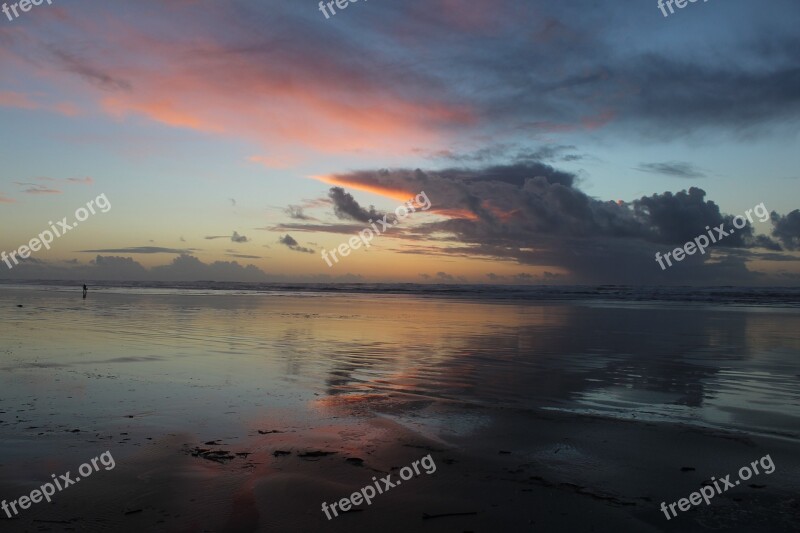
(317, 453)
(218, 456)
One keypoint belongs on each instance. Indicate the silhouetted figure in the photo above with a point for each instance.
(85, 290)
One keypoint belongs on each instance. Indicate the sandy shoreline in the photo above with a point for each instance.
(584, 473)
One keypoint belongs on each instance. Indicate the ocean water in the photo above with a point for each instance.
(184, 354)
(778, 297)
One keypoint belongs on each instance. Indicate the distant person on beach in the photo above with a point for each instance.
(85, 290)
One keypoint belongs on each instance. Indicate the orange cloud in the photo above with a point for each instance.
(159, 109)
(401, 195)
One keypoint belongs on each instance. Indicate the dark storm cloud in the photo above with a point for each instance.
(677, 93)
(534, 214)
(559, 67)
(567, 69)
(787, 229)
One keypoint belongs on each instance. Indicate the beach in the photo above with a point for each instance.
(247, 410)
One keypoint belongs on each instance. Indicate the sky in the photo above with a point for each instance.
(533, 142)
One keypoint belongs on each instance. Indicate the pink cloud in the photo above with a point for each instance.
(331, 104)
(23, 101)
(18, 100)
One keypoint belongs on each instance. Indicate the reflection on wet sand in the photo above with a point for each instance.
(271, 404)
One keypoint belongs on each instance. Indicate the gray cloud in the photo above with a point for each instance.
(181, 268)
(234, 238)
(346, 207)
(787, 229)
(243, 256)
(296, 212)
(292, 244)
(534, 214)
(508, 151)
(675, 169)
(90, 73)
(35, 188)
(313, 228)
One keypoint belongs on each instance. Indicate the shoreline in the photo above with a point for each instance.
(235, 414)
(572, 467)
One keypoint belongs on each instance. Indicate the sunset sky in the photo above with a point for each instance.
(553, 139)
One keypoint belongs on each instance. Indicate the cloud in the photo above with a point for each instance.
(675, 169)
(182, 268)
(85, 181)
(6, 200)
(505, 152)
(93, 74)
(24, 101)
(296, 212)
(189, 267)
(317, 228)
(140, 250)
(292, 244)
(567, 71)
(120, 267)
(238, 238)
(444, 277)
(234, 238)
(37, 188)
(534, 214)
(787, 229)
(18, 100)
(346, 207)
(34, 188)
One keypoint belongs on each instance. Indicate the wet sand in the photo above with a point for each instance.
(548, 417)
